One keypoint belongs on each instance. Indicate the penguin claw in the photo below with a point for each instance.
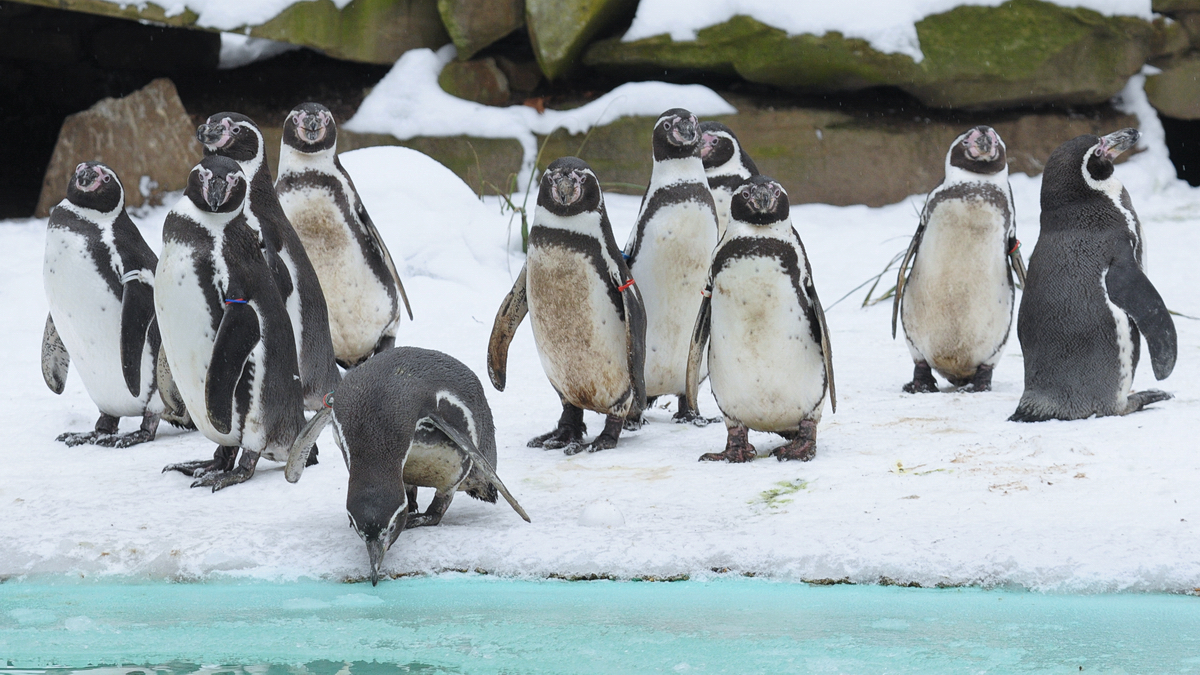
(125, 440)
(72, 439)
(223, 479)
(573, 448)
(737, 448)
(803, 450)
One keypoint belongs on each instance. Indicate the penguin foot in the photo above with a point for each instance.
(223, 460)
(607, 440)
(73, 439)
(737, 448)
(802, 446)
(1140, 399)
(223, 479)
(125, 440)
(633, 424)
(687, 415)
(570, 430)
(923, 381)
(982, 380)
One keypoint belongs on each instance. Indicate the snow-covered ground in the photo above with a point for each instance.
(936, 489)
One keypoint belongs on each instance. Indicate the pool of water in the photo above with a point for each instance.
(472, 624)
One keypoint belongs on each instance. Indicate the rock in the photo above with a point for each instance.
(479, 80)
(1023, 52)
(1176, 91)
(475, 24)
(560, 29)
(523, 76)
(146, 134)
(1171, 6)
(1170, 38)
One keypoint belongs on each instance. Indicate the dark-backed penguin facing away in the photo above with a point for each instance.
(589, 323)
(362, 289)
(726, 165)
(1086, 298)
(405, 418)
(225, 330)
(770, 365)
(98, 273)
(239, 138)
(956, 303)
(669, 252)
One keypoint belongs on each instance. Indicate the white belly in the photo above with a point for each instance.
(957, 305)
(432, 465)
(580, 337)
(88, 318)
(360, 309)
(721, 199)
(766, 371)
(671, 270)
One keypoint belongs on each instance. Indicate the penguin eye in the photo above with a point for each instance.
(107, 178)
(667, 126)
(237, 130)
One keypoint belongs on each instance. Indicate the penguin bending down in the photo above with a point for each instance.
(1086, 298)
(726, 165)
(225, 330)
(669, 252)
(770, 363)
(239, 138)
(405, 418)
(361, 287)
(956, 304)
(589, 324)
(98, 274)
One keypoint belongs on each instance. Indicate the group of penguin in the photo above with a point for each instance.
(263, 289)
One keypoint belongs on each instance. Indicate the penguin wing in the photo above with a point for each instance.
(477, 459)
(237, 336)
(901, 275)
(302, 446)
(512, 311)
(55, 359)
(818, 313)
(635, 342)
(138, 326)
(1016, 261)
(700, 335)
(1129, 289)
(377, 240)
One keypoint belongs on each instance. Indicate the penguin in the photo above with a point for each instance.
(405, 418)
(226, 332)
(956, 304)
(770, 363)
(98, 274)
(239, 138)
(589, 323)
(726, 165)
(669, 252)
(1086, 298)
(361, 286)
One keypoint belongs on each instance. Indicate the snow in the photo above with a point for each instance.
(933, 489)
(888, 25)
(240, 50)
(409, 102)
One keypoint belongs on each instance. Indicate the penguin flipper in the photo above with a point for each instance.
(55, 359)
(237, 336)
(826, 350)
(377, 240)
(901, 277)
(137, 326)
(1016, 261)
(1129, 289)
(480, 462)
(635, 342)
(512, 311)
(302, 446)
(700, 335)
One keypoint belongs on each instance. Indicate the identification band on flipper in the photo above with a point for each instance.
(625, 286)
(1016, 245)
(236, 301)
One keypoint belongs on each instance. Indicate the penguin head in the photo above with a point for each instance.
(759, 201)
(718, 145)
(231, 134)
(978, 151)
(1083, 166)
(676, 135)
(217, 185)
(95, 186)
(309, 127)
(378, 516)
(569, 187)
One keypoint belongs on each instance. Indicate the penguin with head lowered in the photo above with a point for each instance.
(956, 304)
(362, 290)
(669, 251)
(726, 165)
(98, 274)
(770, 364)
(1086, 299)
(405, 418)
(225, 330)
(589, 323)
(239, 138)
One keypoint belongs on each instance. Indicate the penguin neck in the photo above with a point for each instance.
(672, 171)
(587, 223)
(293, 161)
(104, 219)
(215, 223)
(780, 229)
(955, 174)
(730, 169)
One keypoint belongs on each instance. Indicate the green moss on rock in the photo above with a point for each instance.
(475, 24)
(1176, 91)
(559, 30)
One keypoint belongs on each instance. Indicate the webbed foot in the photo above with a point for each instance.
(981, 381)
(223, 460)
(803, 446)
(687, 415)
(223, 479)
(1140, 399)
(737, 448)
(570, 430)
(125, 440)
(74, 439)
(923, 381)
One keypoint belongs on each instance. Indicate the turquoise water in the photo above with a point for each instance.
(470, 624)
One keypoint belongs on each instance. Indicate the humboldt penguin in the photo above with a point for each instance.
(726, 165)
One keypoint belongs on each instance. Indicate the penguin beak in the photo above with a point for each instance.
(686, 130)
(311, 128)
(707, 143)
(567, 188)
(215, 193)
(375, 550)
(763, 198)
(213, 136)
(983, 146)
(1117, 142)
(88, 178)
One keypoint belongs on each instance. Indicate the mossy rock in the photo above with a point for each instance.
(475, 24)
(485, 164)
(1022, 52)
(480, 80)
(1170, 6)
(559, 30)
(1176, 91)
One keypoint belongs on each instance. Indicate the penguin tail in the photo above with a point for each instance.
(1140, 399)
(484, 492)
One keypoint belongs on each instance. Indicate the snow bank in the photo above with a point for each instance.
(936, 489)
(889, 25)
